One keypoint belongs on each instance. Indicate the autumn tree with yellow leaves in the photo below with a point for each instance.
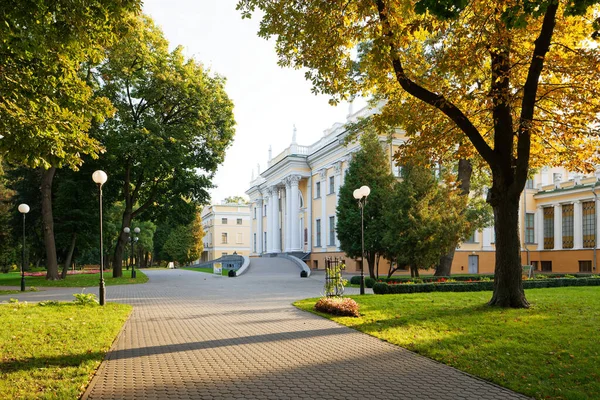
(514, 83)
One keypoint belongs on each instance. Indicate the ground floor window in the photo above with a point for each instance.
(585, 265)
(548, 228)
(546, 266)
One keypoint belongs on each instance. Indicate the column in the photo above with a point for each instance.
(309, 219)
(275, 212)
(294, 210)
(339, 181)
(324, 230)
(540, 227)
(577, 225)
(259, 228)
(597, 209)
(557, 227)
(288, 215)
(269, 227)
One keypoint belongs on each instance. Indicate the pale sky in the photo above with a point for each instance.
(268, 99)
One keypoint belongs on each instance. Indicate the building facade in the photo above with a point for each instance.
(293, 210)
(227, 230)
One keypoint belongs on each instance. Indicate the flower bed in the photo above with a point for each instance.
(466, 286)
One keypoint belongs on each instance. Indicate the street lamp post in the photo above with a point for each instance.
(133, 241)
(100, 178)
(361, 195)
(23, 209)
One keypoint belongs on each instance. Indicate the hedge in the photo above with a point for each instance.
(384, 288)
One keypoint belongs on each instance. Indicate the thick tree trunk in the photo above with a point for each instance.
(48, 224)
(465, 170)
(69, 257)
(508, 284)
(121, 243)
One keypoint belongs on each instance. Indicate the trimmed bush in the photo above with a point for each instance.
(231, 273)
(342, 306)
(369, 282)
(355, 280)
(384, 288)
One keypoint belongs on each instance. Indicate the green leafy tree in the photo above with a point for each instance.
(184, 243)
(425, 218)
(172, 126)
(235, 200)
(369, 167)
(8, 256)
(515, 83)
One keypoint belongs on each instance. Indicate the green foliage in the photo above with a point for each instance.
(483, 285)
(184, 243)
(369, 167)
(85, 299)
(49, 303)
(334, 283)
(549, 351)
(79, 280)
(235, 200)
(48, 50)
(369, 282)
(425, 217)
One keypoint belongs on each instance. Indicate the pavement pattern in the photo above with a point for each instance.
(198, 336)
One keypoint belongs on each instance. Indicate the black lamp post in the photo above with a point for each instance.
(361, 195)
(100, 177)
(23, 209)
(133, 242)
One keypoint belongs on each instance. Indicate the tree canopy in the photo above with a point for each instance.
(513, 82)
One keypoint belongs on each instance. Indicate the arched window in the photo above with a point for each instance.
(301, 199)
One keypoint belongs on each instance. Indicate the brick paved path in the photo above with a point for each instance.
(198, 336)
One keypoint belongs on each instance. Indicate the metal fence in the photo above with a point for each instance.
(334, 284)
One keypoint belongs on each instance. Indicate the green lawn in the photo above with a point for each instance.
(550, 351)
(80, 280)
(52, 352)
(224, 271)
(4, 292)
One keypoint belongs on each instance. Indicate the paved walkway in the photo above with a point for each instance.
(199, 336)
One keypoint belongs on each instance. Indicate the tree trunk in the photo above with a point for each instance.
(465, 170)
(121, 243)
(371, 262)
(508, 283)
(48, 224)
(69, 258)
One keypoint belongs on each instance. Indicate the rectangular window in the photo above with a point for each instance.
(254, 212)
(239, 221)
(239, 238)
(265, 210)
(546, 266)
(255, 242)
(318, 190)
(548, 228)
(331, 185)
(318, 228)
(264, 242)
(535, 265)
(223, 237)
(529, 184)
(589, 224)
(332, 231)
(529, 228)
(223, 254)
(585, 266)
(567, 226)
(471, 239)
(224, 221)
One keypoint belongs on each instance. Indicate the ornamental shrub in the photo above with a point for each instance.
(369, 282)
(355, 280)
(231, 273)
(342, 306)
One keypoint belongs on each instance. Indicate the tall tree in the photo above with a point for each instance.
(515, 82)
(369, 166)
(184, 244)
(425, 217)
(173, 124)
(47, 105)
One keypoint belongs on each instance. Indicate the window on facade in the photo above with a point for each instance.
(223, 254)
(239, 237)
(529, 228)
(332, 231)
(255, 212)
(223, 237)
(318, 190)
(264, 242)
(535, 265)
(548, 228)
(331, 184)
(529, 184)
(585, 266)
(546, 266)
(265, 210)
(224, 221)
(470, 239)
(318, 228)
(589, 224)
(305, 235)
(255, 242)
(239, 221)
(567, 226)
